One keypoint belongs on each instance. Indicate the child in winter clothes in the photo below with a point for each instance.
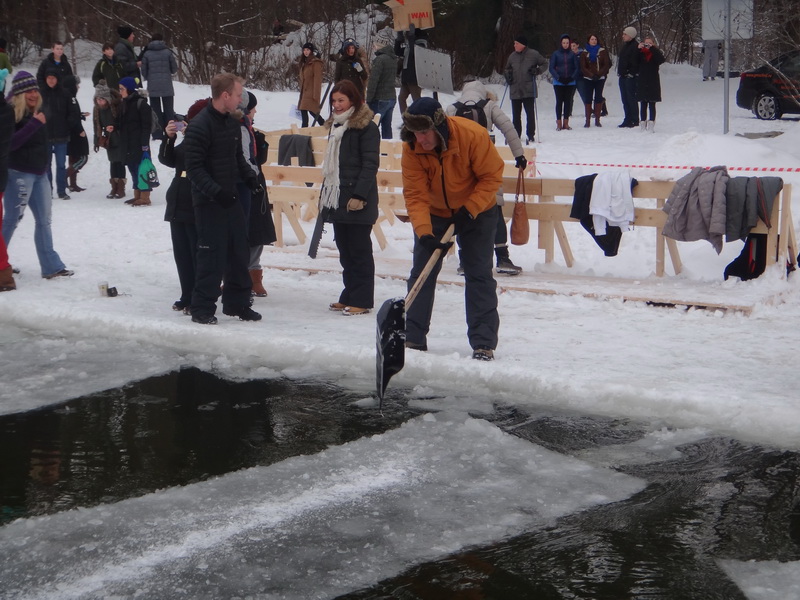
(106, 111)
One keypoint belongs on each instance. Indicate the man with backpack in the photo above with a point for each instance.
(480, 105)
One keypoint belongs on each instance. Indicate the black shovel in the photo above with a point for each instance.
(391, 333)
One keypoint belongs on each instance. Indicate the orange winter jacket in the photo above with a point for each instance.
(468, 173)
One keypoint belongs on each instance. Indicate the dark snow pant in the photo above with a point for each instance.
(627, 93)
(314, 116)
(358, 266)
(184, 250)
(223, 256)
(164, 108)
(530, 116)
(501, 233)
(476, 243)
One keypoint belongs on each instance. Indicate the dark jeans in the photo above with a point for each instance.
(59, 150)
(476, 243)
(223, 256)
(564, 96)
(627, 93)
(304, 118)
(184, 250)
(384, 108)
(530, 116)
(358, 265)
(592, 91)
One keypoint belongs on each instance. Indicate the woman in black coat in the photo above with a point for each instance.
(648, 90)
(350, 193)
(180, 211)
(135, 124)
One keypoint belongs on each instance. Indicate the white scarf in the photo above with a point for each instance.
(329, 196)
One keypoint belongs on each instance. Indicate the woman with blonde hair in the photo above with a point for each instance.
(28, 184)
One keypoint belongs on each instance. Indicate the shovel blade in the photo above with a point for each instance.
(390, 342)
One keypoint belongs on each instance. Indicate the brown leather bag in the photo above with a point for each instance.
(520, 226)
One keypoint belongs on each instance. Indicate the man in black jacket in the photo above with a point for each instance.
(214, 163)
(63, 116)
(628, 71)
(57, 61)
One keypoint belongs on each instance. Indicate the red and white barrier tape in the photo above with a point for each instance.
(674, 167)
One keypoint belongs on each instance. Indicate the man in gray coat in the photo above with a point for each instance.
(125, 55)
(521, 70)
(158, 67)
(380, 95)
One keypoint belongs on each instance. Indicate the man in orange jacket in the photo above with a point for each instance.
(451, 173)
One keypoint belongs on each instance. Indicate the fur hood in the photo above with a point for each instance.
(475, 91)
(358, 120)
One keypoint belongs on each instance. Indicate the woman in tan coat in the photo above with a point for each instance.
(310, 85)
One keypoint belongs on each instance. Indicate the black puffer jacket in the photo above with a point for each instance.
(179, 194)
(62, 112)
(358, 168)
(134, 124)
(214, 157)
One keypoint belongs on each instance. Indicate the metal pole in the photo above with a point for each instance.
(727, 86)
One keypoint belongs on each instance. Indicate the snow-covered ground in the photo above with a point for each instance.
(706, 371)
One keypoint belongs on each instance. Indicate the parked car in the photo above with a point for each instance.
(772, 89)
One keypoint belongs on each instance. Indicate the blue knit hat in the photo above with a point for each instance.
(129, 83)
(424, 114)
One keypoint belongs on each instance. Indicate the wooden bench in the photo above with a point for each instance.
(549, 202)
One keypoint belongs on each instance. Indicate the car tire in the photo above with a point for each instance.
(766, 107)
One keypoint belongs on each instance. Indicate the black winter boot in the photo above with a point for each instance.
(504, 264)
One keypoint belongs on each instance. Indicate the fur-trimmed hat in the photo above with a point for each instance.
(195, 108)
(422, 115)
(22, 82)
(124, 31)
(630, 32)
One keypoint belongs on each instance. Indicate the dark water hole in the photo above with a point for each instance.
(722, 499)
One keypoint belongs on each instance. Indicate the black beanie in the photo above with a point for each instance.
(521, 39)
(124, 31)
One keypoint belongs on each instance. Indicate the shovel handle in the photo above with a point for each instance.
(412, 293)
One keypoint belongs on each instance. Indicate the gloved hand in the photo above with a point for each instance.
(355, 204)
(225, 198)
(97, 148)
(255, 187)
(431, 243)
(522, 162)
(564, 80)
(462, 219)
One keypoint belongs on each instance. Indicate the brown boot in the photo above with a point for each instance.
(588, 111)
(73, 186)
(257, 276)
(566, 124)
(7, 282)
(113, 193)
(143, 199)
(135, 198)
(559, 125)
(121, 187)
(598, 108)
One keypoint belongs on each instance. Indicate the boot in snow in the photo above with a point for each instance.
(504, 264)
(257, 276)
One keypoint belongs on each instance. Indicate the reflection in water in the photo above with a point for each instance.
(718, 499)
(166, 431)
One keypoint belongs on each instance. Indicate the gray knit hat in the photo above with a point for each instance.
(101, 90)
